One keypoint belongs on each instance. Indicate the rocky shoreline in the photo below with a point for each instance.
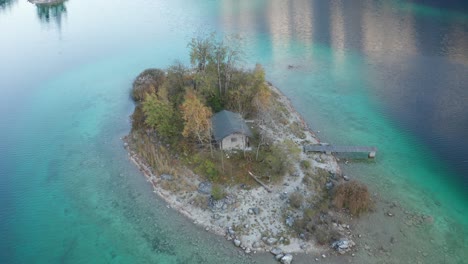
(254, 219)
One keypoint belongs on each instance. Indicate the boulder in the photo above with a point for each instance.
(256, 210)
(204, 187)
(287, 259)
(342, 245)
(276, 251)
(256, 244)
(237, 242)
(270, 241)
(231, 231)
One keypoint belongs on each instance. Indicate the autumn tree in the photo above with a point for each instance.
(196, 116)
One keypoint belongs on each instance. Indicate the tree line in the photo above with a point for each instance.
(179, 101)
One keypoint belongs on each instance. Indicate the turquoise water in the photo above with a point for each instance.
(365, 74)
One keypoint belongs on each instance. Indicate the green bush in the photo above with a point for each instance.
(217, 192)
(305, 164)
(208, 168)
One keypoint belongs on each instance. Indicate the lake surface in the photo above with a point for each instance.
(388, 73)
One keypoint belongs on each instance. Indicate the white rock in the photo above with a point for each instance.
(237, 242)
(287, 259)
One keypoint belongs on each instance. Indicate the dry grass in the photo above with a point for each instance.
(316, 180)
(155, 155)
(296, 200)
(353, 196)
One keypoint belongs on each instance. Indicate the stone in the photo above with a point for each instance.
(276, 251)
(256, 210)
(290, 221)
(205, 187)
(342, 245)
(167, 177)
(390, 214)
(237, 242)
(279, 257)
(270, 241)
(346, 178)
(324, 256)
(216, 216)
(248, 250)
(231, 231)
(284, 196)
(329, 185)
(250, 211)
(256, 244)
(287, 259)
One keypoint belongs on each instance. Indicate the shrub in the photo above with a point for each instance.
(217, 192)
(305, 164)
(147, 82)
(296, 199)
(208, 168)
(353, 196)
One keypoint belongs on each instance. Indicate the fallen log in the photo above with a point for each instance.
(260, 182)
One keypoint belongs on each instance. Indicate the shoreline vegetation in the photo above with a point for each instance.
(267, 196)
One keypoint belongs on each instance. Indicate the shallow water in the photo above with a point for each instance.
(391, 74)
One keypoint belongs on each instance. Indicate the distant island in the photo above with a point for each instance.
(225, 148)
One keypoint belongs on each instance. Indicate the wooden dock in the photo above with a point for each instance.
(328, 149)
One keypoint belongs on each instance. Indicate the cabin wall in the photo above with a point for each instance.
(234, 141)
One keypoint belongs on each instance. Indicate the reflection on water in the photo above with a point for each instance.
(6, 4)
(55, 12)
(420, 61)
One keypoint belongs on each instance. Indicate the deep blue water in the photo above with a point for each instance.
(388, 73)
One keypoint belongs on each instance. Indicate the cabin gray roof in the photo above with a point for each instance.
(226, 123)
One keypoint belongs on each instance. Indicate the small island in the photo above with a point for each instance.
(224, 147)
